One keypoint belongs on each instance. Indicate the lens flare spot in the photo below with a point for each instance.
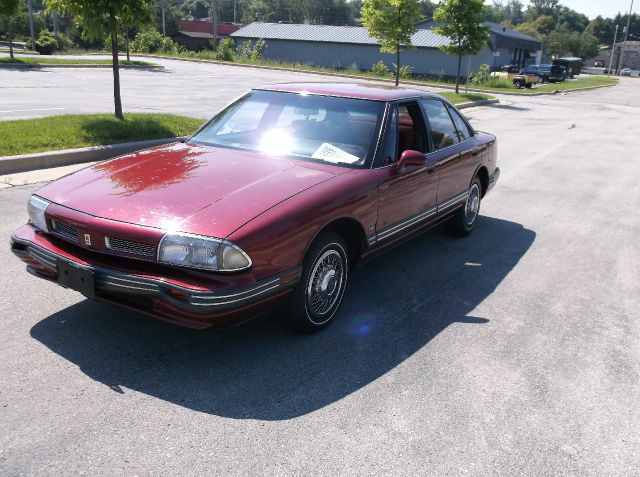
(362, 325)
(276, 143)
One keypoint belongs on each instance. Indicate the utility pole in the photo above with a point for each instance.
(164, 23)
(626, 34)
(54, 19)
(613, 48)
(33, 34)
(214, 20)
(235, 11)
(289, 14)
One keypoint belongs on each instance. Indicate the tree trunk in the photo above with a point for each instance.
(116, 71)
(458, 73)
(126, 42)
(10, 35)
(397, 63)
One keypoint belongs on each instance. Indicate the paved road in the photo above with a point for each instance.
(514, 351)
(192, 89)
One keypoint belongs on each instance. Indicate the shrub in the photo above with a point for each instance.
(153, 42)
(46, 43)
(245, 49)
(258, 49)
(405, 71)
(482, 76)
(252, 51)
(226, 50)
(380, 69)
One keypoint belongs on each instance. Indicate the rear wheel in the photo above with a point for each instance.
(465, 218)
(317, 297)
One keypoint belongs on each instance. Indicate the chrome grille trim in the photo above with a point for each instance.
(130, 247)
(66, 231)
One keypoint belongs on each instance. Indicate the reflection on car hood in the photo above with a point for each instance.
(187, 188)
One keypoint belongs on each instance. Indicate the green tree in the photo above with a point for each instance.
(107, 17)
(462, 24)
(8, 8)
(392, 24)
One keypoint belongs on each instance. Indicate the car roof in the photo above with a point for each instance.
(375, 92)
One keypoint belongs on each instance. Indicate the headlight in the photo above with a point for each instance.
(36, 208)
(196, 251)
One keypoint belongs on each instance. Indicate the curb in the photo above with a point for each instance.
(79, 65)
(66, 157)
(473, 104)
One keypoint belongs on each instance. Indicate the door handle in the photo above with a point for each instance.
(475, 151)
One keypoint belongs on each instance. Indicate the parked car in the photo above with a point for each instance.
(271, 202)
(598, 64)
(547, 73)
(573, 65)
(625, 72)
(512, 74)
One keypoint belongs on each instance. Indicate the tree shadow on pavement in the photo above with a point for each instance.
(395, 306)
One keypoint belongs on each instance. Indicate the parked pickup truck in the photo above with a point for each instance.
(520, 80)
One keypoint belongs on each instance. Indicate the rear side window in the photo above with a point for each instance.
(464, 132)
(443, 131)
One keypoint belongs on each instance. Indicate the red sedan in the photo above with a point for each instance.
(271, 202)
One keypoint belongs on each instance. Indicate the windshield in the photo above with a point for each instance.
(317, 128)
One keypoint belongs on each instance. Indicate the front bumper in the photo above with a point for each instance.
(194, 307)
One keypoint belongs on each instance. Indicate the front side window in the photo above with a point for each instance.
(329, 129)
(443, 131)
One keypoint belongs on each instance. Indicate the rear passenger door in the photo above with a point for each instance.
(455, 151)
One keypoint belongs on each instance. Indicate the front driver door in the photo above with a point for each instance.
(406, 199)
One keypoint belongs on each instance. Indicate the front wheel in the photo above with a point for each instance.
(465, 218)
(317, 297)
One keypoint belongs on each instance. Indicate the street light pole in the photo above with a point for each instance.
(626, 34)
(613, 48)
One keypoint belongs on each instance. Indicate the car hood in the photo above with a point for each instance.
(180, 187)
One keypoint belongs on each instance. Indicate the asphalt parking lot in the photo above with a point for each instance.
(513, 351)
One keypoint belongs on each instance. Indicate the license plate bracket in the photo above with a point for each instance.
(76, 278)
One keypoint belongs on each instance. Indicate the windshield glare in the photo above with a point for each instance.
(319, 128)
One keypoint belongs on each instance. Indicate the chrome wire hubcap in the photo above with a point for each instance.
(472, 205)
(325, 284)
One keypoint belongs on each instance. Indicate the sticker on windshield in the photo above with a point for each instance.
(330, 153)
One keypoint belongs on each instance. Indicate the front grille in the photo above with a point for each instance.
(66, 231)
(130, 247)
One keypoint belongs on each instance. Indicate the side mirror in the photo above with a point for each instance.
(411, 158)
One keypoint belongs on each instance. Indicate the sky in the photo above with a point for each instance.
(606, 8)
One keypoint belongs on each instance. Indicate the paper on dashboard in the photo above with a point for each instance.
(330, 153)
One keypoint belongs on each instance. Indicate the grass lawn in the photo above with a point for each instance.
(464, 97)
(81, 130)
(43, 60)
(583, 81)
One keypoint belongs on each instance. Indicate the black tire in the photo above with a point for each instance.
(528, 85)
(464, 220)
(317, 297)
